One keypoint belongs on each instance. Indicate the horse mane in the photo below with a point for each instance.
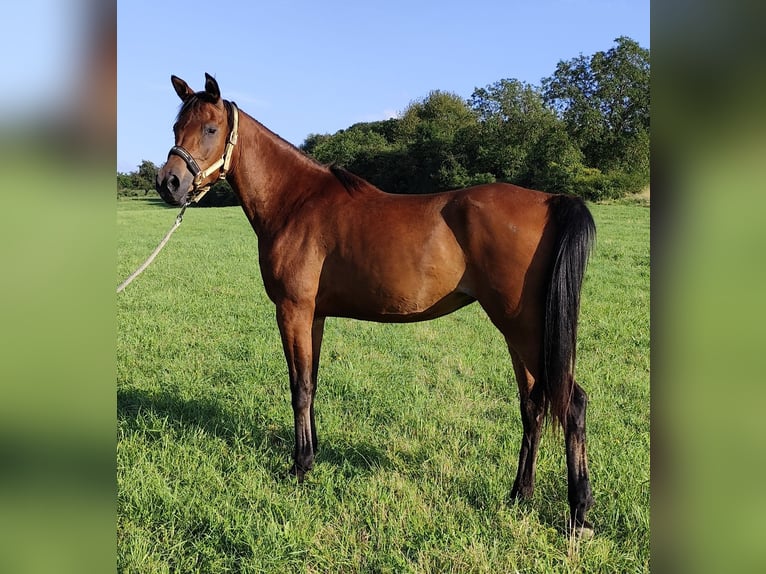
(351, 182)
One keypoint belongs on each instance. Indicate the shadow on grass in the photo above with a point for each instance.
(150, 200)
(207, 414)
(274, 440)
(351, 458)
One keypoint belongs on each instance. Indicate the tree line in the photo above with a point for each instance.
(584, 130)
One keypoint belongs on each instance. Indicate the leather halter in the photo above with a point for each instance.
(223, 163)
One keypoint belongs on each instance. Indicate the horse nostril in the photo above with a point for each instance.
(173, 183)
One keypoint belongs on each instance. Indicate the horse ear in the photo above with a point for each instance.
(182, 88)
(211, 86)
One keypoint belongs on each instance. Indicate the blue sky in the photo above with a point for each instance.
(303, 67)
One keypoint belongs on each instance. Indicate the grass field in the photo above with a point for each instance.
(418, 424)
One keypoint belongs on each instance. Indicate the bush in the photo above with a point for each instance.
(130, 192)
(481, 178)
(589, 182)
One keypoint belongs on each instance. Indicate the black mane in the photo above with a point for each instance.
(352, 183)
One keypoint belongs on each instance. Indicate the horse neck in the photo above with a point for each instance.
(269, 175)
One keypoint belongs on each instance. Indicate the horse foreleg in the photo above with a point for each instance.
(295, 326)
(580, 497)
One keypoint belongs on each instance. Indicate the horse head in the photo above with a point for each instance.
(205, 133)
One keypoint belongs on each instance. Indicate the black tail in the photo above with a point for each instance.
(575, 234)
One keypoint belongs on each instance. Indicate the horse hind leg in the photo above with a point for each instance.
(317, 332)
(532, 406)
(579, 491)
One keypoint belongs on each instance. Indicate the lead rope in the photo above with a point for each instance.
(223, 163)
(146, 263)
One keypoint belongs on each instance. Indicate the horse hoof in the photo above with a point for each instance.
(298, 473)
(583, 531)
(521, 494)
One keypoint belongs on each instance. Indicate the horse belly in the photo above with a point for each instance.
(392, 308)
(402, 285)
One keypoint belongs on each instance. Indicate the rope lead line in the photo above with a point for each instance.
(146, 263)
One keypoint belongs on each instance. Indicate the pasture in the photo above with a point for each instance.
(419, 426)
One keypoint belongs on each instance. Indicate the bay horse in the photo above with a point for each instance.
(332, 244)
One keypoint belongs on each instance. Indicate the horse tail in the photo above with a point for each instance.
(575, 235)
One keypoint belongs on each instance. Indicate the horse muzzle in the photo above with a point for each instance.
(174, 185)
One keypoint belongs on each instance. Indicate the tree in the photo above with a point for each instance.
(434, 131)
(604, 102)
(367, 149)
(313, 141)
(146, 176)
(143, 179)
(513, 118)
(584, 131)
(347, 147)
(124, 180)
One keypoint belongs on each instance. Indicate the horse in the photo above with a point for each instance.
(330, 244)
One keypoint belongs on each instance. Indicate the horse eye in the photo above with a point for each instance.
(211, 131)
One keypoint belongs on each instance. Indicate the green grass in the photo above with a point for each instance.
(418, 424)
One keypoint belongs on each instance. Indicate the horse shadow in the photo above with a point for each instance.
(271, 444)
(269, 441)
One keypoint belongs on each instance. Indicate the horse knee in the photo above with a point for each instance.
(301, 401)
(302, 394)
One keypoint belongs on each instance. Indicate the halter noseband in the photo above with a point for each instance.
(197, 190)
